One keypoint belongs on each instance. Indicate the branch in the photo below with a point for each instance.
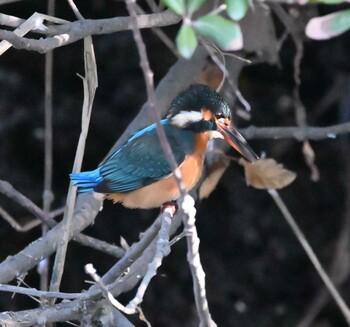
(48, 195)
(193, 258)
(148, 76)
(37, 293)
(85, 211)
(99, 245)
(90, 84)
(15, 225)
(311, 254)
(8, 190)
(162, 250)
(69, 33)
(299, 133)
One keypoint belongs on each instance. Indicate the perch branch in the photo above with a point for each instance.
(193, 258)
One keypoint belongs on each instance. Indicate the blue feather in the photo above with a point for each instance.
(86, 181)
(139, 162)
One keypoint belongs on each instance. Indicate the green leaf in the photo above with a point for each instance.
(177, 6)
(186, 41)
(225, 33)
(193, 5)
(326, 27)
(237, 9)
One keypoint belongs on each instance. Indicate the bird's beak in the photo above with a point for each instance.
(236, 140)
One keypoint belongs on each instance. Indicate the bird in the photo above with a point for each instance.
(138, 175)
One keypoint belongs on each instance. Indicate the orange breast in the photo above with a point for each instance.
(165, 190)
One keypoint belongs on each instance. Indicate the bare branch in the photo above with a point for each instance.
(37, 293)
(311, 254)
(163, 250)
(298, 133)
(148, 76)
(70, 33)
(8, 190)
(90, 85)
(99, 245)
(14, 224)
(85, 212)
(48, 196)
(193, 258)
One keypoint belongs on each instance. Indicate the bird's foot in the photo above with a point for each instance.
(172, 205)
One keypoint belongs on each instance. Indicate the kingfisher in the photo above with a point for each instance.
(138, 175)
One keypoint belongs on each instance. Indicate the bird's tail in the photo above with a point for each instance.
(86, 181)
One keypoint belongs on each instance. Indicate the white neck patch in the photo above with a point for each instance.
(184, 118)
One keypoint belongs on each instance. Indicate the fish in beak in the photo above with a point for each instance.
(236, 140)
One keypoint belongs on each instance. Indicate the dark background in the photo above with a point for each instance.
(256, 272)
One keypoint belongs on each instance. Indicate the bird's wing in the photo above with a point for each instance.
(141, 160)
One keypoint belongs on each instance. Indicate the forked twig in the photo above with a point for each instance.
(34, 22)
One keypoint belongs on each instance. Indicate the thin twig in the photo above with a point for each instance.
(85, 211)
(299, 107)
(193, 258)
(15, 225)
(339, 268)
(30, 224)
(37, 293)
(99, 245)
(90, 85)
(202, 305)
(311, 254)
(298, 133)
(43, 267)
(162, 250)
(169, 43)
(148, 76)
(8, 190)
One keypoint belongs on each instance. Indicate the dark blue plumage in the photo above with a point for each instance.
(138, 163)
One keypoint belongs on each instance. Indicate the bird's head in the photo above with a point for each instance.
(201, 109)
